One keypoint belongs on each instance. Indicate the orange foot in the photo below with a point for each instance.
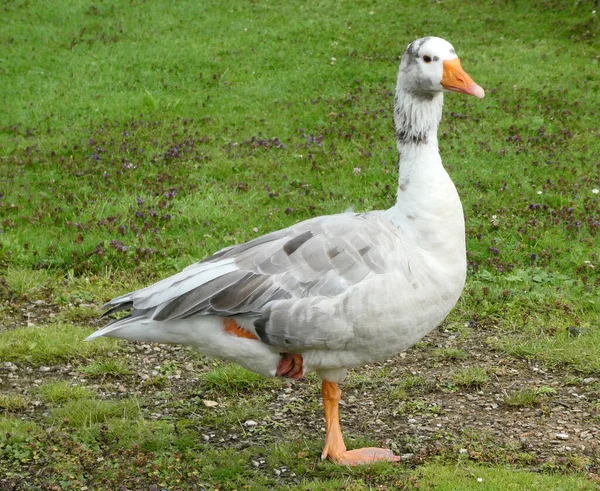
(362, 456)
(335, 449)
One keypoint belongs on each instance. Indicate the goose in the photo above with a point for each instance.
(331, 292)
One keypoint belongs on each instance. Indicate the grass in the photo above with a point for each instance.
(453, 354)
(13, 402)
(134, 141)
(471, 377)
(49, 345)
(231, 379)
(61, 391)
(112, 367)
(528, 397)
(471, 477)
(85, 412)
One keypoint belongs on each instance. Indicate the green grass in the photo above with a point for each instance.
(51, 344)
(60, 392)
(472, 477)
(231, 379)
(85, 411)
(13, 430)
(136, 139)
(470, 377)
(13, 402)
(112, 367)
(528, 397)
(450, 354)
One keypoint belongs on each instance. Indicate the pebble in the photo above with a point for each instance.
(587, 381)
(412, 421)
(45, 369)
(250, 422)
(562, 436)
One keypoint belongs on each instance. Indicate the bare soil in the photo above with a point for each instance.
(433, 417)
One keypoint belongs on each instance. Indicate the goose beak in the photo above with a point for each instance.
(456, 79)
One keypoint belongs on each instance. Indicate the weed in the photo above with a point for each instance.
(450, 354)
(11, 402)
(87, 411)
(63, 391)
(111, 366)
(50, 345)
(230, 379)
(528, 397)
(471, 377)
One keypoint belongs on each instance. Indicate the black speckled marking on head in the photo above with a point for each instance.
(291, 245)
(436, 58)
(421, 42)
(412, 51)
(452, 51)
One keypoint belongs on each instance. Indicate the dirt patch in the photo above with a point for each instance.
(431, 416)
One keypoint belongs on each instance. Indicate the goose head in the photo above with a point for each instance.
(430, 66)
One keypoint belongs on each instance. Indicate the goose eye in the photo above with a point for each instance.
(427, 58)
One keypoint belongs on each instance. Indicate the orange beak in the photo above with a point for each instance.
(457, 80)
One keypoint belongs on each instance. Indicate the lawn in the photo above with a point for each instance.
(139, 137)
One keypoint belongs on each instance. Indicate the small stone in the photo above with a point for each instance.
(587, 381)
(44, 369)
(255, 463)
(250, 422)
(208, 403)
(562, 436)
(277, 472)
(407, 456)
(189, 367)
(412, 421)
(205, 438)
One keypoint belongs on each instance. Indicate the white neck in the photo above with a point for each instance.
(427, 209)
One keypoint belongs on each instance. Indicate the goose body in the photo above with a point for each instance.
(336, 291)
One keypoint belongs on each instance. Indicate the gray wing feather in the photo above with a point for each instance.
(287, 277)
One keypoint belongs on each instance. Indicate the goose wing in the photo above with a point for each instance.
(320, 257)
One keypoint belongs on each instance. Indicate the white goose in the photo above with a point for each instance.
(336, 291)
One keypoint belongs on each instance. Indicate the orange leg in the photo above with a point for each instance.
(335, 449)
